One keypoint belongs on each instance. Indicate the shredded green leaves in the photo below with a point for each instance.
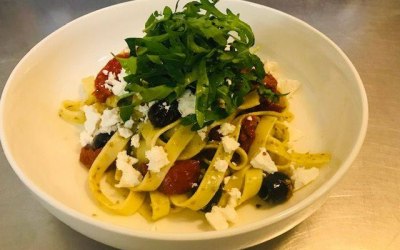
(199, 48)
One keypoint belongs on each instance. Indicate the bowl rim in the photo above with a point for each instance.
(325, 187)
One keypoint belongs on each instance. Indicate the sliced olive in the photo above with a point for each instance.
(161, 113)
(100, 140)
(276, 188)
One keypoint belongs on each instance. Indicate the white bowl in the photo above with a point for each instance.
(330, 109)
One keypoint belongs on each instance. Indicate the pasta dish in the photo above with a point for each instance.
(188, 117)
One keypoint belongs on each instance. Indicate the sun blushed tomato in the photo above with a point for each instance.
(270, 82)
(181, 177)
(248, 132)
(88, 155)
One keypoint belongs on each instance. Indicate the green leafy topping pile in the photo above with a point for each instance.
(200, 49)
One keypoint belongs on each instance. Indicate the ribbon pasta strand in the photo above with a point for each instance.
(107, 155)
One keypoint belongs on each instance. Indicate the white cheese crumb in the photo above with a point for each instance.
(135, 141)
(221, 165)
(227, 212)
(166, 106)
(125, 132)
(105, 72)
(288, 86)
(202, 133)
(85, 138)
(187, 103)
(229, 144)
(226, 129)
(217, 219)
(118, 88)
(194, 185)
(235, 195)
(263, 161)
(144, 109)
(128, 123)
(229, 81)
(109, 118)
(92, 118)
(130, 176)
(157, 157)
(303, 176)
(249, 118)
(220, 216)
(227, 179)
(121, 75)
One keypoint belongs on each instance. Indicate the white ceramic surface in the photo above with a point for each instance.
(330, 109)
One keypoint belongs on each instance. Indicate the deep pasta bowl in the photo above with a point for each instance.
(330, 110)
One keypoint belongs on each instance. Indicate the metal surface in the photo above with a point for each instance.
(362, 212)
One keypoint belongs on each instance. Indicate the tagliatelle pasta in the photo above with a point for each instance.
(170, 136)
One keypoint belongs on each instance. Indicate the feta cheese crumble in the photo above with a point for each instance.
(226, 129)
(125, 132)
(226, 180)
(229, 144)
(157, 157)
(216, 219)
(263, 161)
(221, 165)
(144, 109)
(116, 87)
(303, 176)
(90, 125)
(135, 141)
(109, 120)
(85, 138)
(187, 103)
(92, 118)
(202, 133)
(220, 216)
(234, 197)
(130, 176)
(128, 123)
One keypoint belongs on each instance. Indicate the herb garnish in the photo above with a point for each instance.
(199, 48)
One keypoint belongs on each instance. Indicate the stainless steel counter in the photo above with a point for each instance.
(362, 212)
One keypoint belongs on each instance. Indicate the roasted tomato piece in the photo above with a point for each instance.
(88, 155)
(181, 177)
(270, 82)
(248, 132)
(113, 66)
